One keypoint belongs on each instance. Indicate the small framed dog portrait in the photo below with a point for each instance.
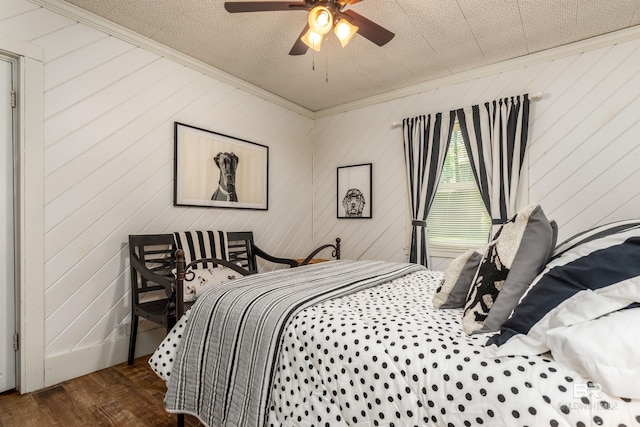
(354, 191)
(216, 170)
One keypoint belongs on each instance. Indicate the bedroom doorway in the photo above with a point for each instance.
(7, 233)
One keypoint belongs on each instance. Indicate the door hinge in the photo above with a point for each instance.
(16, 342)
(13, 99)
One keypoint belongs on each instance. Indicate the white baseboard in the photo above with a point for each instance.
(63, 367)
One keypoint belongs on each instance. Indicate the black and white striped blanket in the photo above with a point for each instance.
(225, 362)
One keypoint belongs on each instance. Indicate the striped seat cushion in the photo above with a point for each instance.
(202, 244)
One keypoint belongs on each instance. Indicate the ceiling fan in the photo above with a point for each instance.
(324, 15)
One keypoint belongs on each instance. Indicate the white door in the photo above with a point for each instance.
(7, 284)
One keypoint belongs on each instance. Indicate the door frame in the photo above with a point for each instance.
(11, 306)
(29, 207)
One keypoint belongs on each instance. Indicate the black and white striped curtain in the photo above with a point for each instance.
(495, 135)
(426, 140)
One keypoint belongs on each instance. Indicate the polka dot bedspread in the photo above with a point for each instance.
(384, 357)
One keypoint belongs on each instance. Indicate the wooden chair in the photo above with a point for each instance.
(151, 259)
(156, 292)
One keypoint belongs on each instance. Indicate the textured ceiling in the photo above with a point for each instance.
(434, 38)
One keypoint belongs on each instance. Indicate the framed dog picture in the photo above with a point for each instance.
(216, 170)
(354, 191)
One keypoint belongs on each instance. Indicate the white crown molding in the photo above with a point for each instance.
(609, 39)
(77, 14)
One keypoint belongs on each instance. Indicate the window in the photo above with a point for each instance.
(458, 218)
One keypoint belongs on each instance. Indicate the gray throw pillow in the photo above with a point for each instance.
(522, 249)
(452, 292)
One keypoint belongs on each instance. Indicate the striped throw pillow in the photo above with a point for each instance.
(202, 244)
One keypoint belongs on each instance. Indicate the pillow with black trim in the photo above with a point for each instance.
(453, 290)
(590, 275)
(592, 234)
(509, 266)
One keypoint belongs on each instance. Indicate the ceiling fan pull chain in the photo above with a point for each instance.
(326, 70)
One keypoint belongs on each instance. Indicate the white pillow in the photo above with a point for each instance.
(606, 349)
(204, 279)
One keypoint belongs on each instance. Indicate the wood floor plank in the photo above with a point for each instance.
(17, 410)
(55, 403)
(123, 395)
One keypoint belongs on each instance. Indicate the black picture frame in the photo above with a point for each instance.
(354, 191)
(199, 157)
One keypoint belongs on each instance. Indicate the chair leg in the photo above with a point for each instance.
(132, 338)
(180, 420)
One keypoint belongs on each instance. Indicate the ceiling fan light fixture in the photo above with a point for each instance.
(312, 39)
(321, 20)
(323, 16)
(345, 31)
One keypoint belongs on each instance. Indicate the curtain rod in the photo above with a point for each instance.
(533, 98)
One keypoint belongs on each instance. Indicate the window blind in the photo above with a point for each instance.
(458, 218)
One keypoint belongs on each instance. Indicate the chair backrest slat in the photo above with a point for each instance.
(157, 253)
(241, 250)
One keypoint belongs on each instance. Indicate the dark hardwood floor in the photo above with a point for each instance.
(122, 395)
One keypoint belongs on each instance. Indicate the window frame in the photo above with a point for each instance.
(439, 250)
(450, 249)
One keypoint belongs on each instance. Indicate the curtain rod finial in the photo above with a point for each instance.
(538, 96)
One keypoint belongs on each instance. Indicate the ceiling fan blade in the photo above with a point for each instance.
(369, 29)
(299, 47)
(263, 6)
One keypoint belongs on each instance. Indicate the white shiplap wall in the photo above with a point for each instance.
(584, 147)
(109, 110)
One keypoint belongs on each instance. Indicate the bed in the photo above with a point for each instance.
(360, 343)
